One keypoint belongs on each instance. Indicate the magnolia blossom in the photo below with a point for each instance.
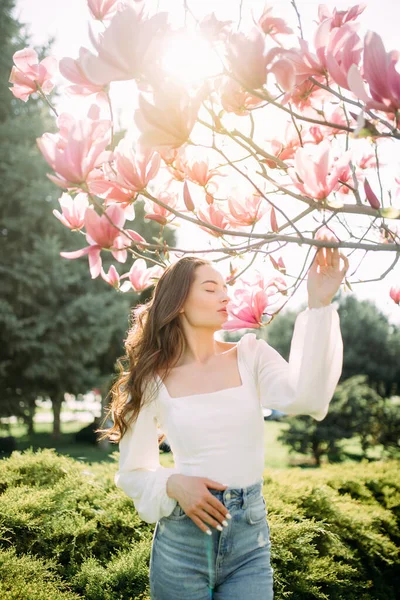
(158, 213)
(246, 309)
(272, 26)
(103, 9)
(102, 183)
(213, 29)
(395, 294)
(82, 86)
(170, 120)
(315, 173)
(247, 56)
(141, 277)
(246, 211)
(250, 300)
(28, 74)
(100, 233)
(111, 277)
(214, 216)
(76, 150)
(371, 196)
(199, 171)
(235, 99)
(339, 17)
(135, 168)
(379, 71)
(73, 210)
(127, 48)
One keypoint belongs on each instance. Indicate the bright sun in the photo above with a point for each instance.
(191, 59)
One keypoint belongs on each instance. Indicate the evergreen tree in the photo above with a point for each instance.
(60, 331)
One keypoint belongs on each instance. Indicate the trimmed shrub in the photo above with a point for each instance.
(69, 533)
(27, 578)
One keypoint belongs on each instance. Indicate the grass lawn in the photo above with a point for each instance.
(277, 456)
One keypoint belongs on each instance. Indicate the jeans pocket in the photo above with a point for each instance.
(256, 511)
(177, 514)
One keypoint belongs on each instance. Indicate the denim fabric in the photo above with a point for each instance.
(233, 564)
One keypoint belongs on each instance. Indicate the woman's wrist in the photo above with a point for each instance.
(317, 303)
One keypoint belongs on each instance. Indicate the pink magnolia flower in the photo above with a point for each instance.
(343, 51)
(304, 94)
(395, 294)
(102, 183)
(128, 47)
(73, 210)
(199, 171)
(272, 26)
(336, 50)
(250, 301)
(141, 277)
(283, 149)
(246, 309)
(214, 216)
(326, 234)
(246, 211)
(187, 197)
(76, 150)
(111, 277)
(175, 161)
(100, 233)
(135, 168)
(235, 99)
(158, 213)
(170, 120)
(339, 17)
(71, 69)
(379, 71)
(28, 74)
(103, 9)
(370, 195)
(213, 29)
(315, 173)
(247, 57)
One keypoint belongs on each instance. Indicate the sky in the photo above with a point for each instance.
(68, 23)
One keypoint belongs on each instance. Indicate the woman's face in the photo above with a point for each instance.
(206, 303)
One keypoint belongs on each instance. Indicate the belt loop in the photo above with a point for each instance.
(244, 498)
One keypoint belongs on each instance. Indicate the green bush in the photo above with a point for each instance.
(68, 533)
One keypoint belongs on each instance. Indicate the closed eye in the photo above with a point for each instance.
(212, 291)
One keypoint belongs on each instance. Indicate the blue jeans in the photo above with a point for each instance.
(233, 564)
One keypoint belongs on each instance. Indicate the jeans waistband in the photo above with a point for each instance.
(238, 494)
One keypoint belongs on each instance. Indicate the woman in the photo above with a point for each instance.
(207, 397)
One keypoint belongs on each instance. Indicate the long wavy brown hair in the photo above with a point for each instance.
(155, 341)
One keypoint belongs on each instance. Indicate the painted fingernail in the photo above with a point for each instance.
(219, 528)
(228, 516)
(208, 531)
(225, 523)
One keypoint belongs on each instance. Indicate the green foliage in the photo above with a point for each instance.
(67, 532)
(60, 331)
(356, 409)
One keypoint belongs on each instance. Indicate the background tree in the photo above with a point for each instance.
(57, 334)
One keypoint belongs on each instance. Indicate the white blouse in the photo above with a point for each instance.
(220, 435)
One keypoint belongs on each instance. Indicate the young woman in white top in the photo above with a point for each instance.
(208, 396)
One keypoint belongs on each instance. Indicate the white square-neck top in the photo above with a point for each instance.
(220, 435)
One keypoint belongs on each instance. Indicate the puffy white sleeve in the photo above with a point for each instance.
(304, 385)
(140, 474)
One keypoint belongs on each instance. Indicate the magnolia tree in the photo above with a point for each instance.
(268, 140)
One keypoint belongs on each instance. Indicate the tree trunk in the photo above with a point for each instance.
(317, 453)
(56, 401)
(29, 419)
(105, 388)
